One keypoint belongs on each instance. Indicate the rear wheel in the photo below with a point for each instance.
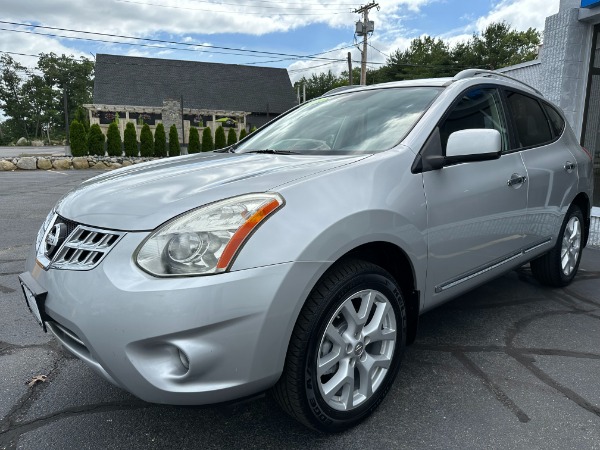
(345, 349)
(559, 266)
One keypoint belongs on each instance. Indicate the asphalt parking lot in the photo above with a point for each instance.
(510, 365)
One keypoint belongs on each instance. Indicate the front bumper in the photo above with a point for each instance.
(134, 329)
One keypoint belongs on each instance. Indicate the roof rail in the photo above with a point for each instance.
(340, 89)
(470, 73)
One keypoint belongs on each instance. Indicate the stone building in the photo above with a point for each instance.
(186, 93)
(567, 71)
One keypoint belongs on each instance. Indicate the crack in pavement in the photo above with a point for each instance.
(500, 395)
(10, 436)
(566, 297)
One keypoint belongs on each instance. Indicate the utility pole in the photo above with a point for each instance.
(363, 29)
(350, 68)
(68, 146)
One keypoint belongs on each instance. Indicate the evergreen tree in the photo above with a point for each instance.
(96, 140)
(130, 140)
(243, 134)
(113, 140)
(160, 141)
(220, 141)
(174, 149)
(231, 137)
(194, 144)
(78, 139)
(82, 117)
(207, 140)
(146, 142)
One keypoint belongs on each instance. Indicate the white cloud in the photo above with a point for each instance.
(520, 14)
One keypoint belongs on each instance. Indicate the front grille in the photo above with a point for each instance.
(82, 247)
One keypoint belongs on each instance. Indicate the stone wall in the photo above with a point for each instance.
(67, 162)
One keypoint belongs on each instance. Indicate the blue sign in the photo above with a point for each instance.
(590, 3)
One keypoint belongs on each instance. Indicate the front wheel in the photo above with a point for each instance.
(559, 266)
(345, 349)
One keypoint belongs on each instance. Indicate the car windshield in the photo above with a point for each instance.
(354, 122)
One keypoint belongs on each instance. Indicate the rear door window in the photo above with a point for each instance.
(556, 121)
(531, 126)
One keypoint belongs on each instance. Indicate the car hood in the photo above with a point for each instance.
(143, 196)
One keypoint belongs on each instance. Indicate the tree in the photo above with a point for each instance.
(194, 144)
(96, 140)
(499, 46)
(231, 137)
(78, 139)
(243, 134)
(82, 117)
(160, 141)
(130, 144)
(34, 102)
(207, 140)
(174, 149)
(317, 85)
(220, 141)
(146, 142)
(113, 140)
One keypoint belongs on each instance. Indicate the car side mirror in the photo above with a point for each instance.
(473, 145)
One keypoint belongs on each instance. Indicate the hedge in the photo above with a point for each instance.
(130, 140)
(220, 141)
(160, 141)
(146, 141)
(96, 140)
(174, 149)
(207, 140)
(78, 139)
(113, 140)
(194, 144)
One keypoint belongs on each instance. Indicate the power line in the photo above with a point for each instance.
(313, 67)
(376, 49)
(162, 41)
(237, 12)
(307, 56)
(286, 3)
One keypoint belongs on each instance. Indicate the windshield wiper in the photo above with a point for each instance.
(230, 149)
(274, 152)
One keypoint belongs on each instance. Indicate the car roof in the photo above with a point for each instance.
(468, 74)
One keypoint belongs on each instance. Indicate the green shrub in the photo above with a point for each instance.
(207, 140)
(243, 134)
(174, 149)
(113, 140)
(231, 137)
(96, 140)
(220, 141)
(194, 144)
(78, 139)
(146, 142)
(160, 141)
(253, 129)
(130, 140)
(82, 117)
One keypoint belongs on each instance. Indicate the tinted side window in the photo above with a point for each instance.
(532, 128)
(556, 121)
(478, 108)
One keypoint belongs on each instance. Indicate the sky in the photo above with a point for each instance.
(270, 33)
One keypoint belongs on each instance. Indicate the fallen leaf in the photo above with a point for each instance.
(37, 379)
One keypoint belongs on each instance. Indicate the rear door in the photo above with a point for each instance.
(475, 216)
(551, 168)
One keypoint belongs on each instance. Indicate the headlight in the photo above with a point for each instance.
(207, 239)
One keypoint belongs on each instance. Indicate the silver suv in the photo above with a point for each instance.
(300, 259)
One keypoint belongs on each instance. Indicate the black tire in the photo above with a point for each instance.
(548, 269)
(346, 285)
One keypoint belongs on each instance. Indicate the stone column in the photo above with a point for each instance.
(171, 115)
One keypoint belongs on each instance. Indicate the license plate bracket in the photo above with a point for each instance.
(35, 298)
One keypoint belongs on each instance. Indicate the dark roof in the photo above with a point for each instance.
(128, 80)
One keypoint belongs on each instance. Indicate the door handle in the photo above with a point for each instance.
(516, 180)
(569, 166)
